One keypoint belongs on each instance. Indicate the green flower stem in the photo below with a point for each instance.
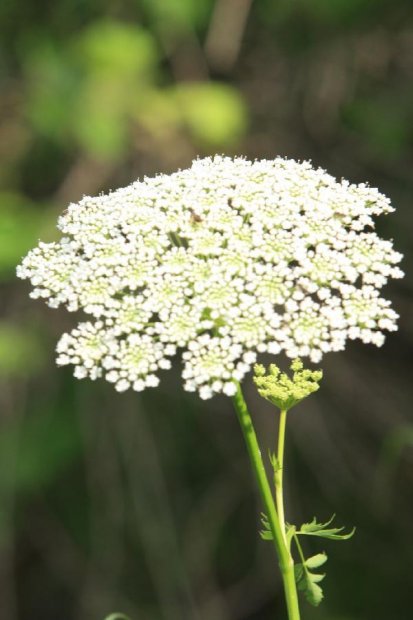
(277, 528)
(279, 492)
(300, 550)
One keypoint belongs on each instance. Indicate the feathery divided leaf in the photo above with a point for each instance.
(308, 529)
(310, 588)
(265, 533)
(308, 581)
(322, 530)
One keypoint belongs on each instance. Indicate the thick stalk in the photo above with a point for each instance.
(278, 534)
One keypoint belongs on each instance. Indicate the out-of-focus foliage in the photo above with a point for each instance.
(20, 224)
(97, 93)
(47, 434)
(21, 350)
(140, 503)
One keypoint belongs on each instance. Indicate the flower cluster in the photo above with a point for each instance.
(224, 260)
(280, 390)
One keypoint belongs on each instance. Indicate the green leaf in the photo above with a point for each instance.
(214, 113)
(102, 128)
(313, 593)
(307, 583)
(317, 577)
(314, 525)
(274, 462)
(117, 617)
(323, 531)
(265, 533)
(316, 560)
(113, 48)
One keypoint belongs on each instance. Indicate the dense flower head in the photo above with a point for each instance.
(280, 390)
(224, 260)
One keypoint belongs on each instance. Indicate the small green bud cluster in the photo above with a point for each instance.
(280, 390)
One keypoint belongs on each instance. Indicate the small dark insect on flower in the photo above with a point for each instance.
(195, 218)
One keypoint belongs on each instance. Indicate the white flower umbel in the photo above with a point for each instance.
(223, 260)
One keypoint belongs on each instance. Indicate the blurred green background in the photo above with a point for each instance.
(145, 504)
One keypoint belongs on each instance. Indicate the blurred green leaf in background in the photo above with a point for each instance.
(87, 93)
(20, 226)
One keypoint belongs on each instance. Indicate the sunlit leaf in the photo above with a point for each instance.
(102, 125)
(119, 62)
(215, 114)
(117, 48)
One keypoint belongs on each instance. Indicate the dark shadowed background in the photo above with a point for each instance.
(145, 503)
